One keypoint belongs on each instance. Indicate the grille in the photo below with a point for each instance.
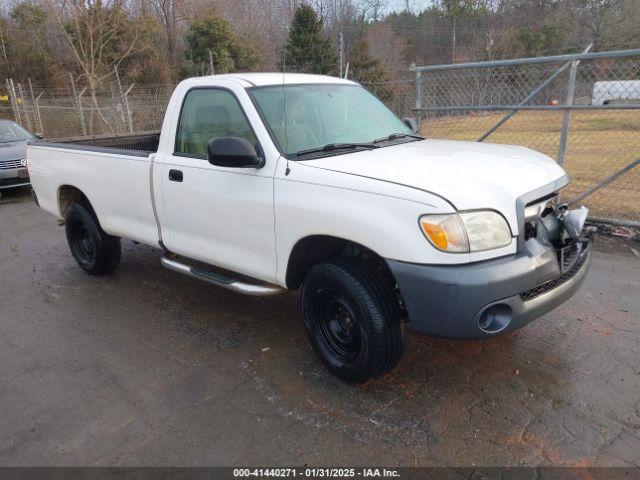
(567, 256)
(6, 164)
(556, 282)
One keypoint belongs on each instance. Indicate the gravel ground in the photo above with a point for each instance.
(147, 367)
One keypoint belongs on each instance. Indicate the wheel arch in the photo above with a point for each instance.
(313, 249)
(70, 194)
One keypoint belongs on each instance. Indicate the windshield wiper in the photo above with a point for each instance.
(394, 136)
(337, 146)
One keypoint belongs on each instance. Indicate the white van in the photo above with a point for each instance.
(608, 92)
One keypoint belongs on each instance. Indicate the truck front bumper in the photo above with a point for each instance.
(487, 298)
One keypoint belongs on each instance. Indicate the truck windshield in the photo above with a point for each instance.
(306, 118)
(12, 132)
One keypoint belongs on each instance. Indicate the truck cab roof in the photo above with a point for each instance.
(273, 78)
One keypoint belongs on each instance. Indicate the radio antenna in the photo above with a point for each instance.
(284, 110)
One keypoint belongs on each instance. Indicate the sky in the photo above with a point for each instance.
(415, 5)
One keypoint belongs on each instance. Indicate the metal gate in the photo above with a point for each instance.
(581, 109)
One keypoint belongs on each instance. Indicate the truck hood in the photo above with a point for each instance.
(469, 175)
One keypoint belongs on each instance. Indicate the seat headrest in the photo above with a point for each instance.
(296, 111)
(212, 115)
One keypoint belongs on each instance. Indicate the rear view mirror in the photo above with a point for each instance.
(411, 123)
(233, 152)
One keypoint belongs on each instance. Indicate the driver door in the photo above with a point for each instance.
(219, 215)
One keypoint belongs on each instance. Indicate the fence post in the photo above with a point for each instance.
(81, 111)
(566, 118)
(25, 109)
(77, 103)
(36, 106)
(14, 100)
(341, 49)
(124, 100)
(418, 98)
(73, 91)
(8, 87)
(126, 104)
(121, 93)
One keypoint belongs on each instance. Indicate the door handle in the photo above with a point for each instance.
(175, 175)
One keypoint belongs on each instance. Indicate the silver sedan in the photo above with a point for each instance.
(13, 148)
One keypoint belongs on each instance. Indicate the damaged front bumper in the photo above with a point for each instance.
(486, 298)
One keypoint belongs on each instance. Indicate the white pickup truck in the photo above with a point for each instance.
(262, 183)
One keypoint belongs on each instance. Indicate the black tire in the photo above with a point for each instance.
(96, 252)
(352, 320)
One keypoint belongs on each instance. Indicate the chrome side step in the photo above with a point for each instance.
(259, 290)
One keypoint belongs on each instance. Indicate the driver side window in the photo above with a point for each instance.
(207, 114)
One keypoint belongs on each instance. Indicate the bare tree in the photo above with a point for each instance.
(608, 22)
(456, 9)
(167, 12)
(100, 36)
(373, 9)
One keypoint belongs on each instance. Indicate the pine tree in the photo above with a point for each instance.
(211, 40)
(367, 70)
(307, 50)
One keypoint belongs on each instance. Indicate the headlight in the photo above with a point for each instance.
(486, 230)
(466, 231)
(23, 162)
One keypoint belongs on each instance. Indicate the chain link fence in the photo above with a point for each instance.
(582, 110)
(71, 112)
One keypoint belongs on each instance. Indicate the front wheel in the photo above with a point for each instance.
(352, 320)
(97, 252)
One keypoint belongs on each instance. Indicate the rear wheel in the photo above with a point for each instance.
(96, 252)
(352, 320)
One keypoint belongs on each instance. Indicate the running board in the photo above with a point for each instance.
(258, 290)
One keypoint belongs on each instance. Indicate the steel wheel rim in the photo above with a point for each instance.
(338, 325)
(84, 243)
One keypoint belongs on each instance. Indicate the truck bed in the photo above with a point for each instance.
(138, 144)
(112, 171)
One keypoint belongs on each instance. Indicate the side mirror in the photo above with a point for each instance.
(39, 136)
(233, 152)
(411, 123)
